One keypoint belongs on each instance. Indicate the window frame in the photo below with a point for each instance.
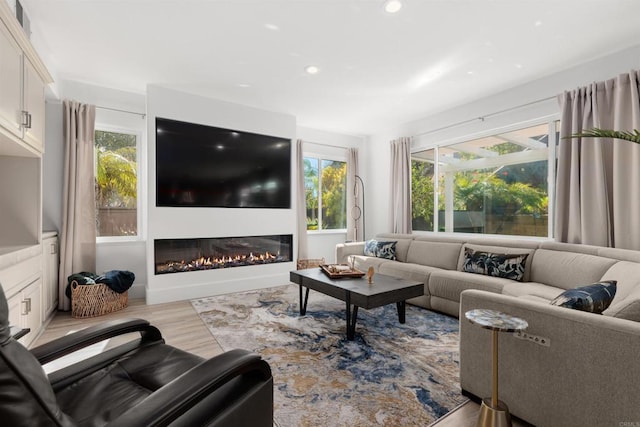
(139, 171)
(333, 158)
(552, 122)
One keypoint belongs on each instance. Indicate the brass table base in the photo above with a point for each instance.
(490, 416)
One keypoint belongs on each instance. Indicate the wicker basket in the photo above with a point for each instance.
(95, 300)
(310, 263)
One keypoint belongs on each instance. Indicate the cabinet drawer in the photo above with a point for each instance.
(19, 275)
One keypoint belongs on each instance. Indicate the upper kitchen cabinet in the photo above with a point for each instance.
(10, 83)
(23, 78)
(33, 107)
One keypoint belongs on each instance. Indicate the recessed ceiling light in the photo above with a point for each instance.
(392, 6)
(312, 69)
(537, 23)
(271, 27)
(243, 85)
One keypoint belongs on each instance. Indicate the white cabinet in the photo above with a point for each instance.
(25, 310)
(33, 107)
(21, 280)
(10, 83)
(50, 266)
(23, 77)
(32, 309)
(22, 84)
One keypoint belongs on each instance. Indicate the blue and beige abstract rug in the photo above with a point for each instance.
(390, 375)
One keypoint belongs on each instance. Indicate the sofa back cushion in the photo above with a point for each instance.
(568, 270)
(626, 303)
(498, 250)
(434, 254)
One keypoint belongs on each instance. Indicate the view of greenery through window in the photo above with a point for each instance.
(325, 184)
(492, 185)
(116, 184)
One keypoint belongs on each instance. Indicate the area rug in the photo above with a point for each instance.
(390, 375)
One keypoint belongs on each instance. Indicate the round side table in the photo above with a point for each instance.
(494, 412)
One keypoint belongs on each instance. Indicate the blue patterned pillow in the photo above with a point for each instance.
(380, 249)
(593, 298)
(508, 266)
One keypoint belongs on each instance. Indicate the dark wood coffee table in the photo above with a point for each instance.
(357, 292)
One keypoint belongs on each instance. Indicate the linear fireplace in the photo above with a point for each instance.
(182, 255)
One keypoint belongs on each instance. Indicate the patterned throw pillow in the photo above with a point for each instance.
(508, 266)
(380, 249)
(593, 298)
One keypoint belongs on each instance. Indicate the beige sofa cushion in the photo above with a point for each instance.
(449, 284)
(435, 254)
(567, 270)
(408, 271)
(626, 303)
(532, 289)
(620, 254)
(363, 262)
(401, 247)
(570, 247)
(499, 250)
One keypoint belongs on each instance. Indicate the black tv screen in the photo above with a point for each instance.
(205, 166)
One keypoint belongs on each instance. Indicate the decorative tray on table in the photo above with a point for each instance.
(337, 271)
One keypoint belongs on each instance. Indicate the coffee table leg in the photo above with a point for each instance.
(352, 316)
(402, 309)
(303, 303)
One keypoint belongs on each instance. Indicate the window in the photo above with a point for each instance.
(116, 172)
(491, 185)
(325, 192)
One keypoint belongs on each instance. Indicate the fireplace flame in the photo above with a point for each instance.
(210, 262)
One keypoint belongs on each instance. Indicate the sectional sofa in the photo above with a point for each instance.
(570, 367)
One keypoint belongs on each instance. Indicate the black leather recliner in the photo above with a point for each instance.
(144, 382)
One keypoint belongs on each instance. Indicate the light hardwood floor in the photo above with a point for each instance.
(178, 322)
(182, 328)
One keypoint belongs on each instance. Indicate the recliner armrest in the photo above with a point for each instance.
(69, 343)
(174, 399)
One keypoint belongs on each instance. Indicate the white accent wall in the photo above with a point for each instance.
(172, 222)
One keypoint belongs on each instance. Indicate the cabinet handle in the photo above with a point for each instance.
(54, 248)
(25, 119)
(28, 305)
(25, 307)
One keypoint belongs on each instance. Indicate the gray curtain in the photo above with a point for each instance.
(78, 237)
(355, 210)
(598, 179)
(400, 213)
(301, 204)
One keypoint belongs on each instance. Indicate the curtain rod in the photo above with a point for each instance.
(143, 115)
(481, 118)
(325, 145)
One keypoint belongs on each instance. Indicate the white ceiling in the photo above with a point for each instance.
(376, 69)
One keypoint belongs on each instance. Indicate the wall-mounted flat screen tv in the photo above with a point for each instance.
(205, 166)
